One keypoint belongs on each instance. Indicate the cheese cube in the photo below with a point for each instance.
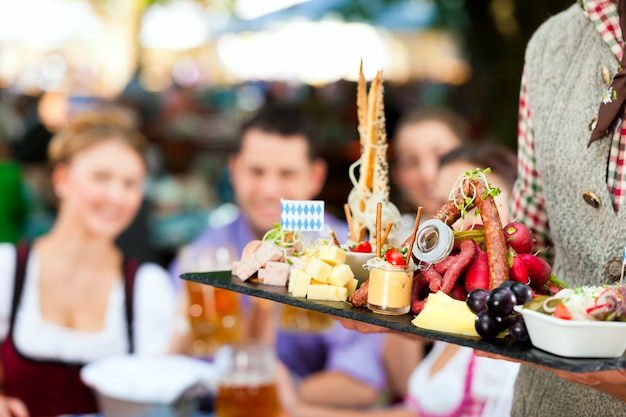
(352, 285)
(318, 269)
(292, 280)
(316, 282)
(318, 292)
(301, 283)
(340, 275)
(337, 293)
(332, 255)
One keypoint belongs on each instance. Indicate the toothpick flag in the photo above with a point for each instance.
(303, 215)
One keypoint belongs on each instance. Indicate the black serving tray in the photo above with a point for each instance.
(505, 346)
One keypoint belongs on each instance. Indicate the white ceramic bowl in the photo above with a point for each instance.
(575, 338)
(356, 260)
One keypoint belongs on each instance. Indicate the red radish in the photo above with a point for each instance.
(518, 237)
(518, 271)
(458, 292)
(539, 271)
(477, 273)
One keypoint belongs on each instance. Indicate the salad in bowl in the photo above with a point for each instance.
(578, 322)
(601, 303)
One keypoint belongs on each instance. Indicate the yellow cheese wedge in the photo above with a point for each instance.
(351, 286)
(336, 293)
(318, 269)
(332, 255)
(317, 292)
(301, 283)
(340, 275)
(445, 314)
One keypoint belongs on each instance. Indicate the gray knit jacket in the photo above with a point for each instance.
(564, 66)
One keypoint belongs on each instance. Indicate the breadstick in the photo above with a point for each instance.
(351, 232)
(369, 151)
(416, 226)
(334, 237)
(362, 235)
(386, 233)
(379, 209)
(361, 104)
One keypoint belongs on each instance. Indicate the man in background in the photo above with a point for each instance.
(278, 156)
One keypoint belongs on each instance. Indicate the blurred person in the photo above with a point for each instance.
(501, 160)
(277, 156)
(13, 207)
(450, 381)
(420, 138)
(71, 296)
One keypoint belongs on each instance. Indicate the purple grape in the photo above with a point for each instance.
(486, 325)
(476, 300)
(523, 293)
(500, 301)
(517, 329)
(503, 322)
(506, 284)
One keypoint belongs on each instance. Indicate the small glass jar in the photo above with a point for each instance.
(434, 241)
(390, 289)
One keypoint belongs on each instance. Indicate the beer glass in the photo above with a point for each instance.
(301, 320)
(247, 381)
(214, 314)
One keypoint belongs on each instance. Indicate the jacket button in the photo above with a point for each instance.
(613, 270)
(591, 199)
(606, 75)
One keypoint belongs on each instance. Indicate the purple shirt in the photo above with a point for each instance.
(339, 349)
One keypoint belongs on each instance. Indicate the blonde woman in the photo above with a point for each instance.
(72, 297)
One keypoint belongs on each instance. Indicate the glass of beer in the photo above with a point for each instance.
(296, 319)
(214, 314)
(247, 381)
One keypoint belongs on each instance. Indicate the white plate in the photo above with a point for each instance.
(153, 379)
(575, 338)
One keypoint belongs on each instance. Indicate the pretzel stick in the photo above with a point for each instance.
(416, 226)
(346, 209)
(334, 237)
(362, 235)
(379, 209)
(386, 233)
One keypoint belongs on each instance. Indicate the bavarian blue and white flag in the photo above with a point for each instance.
(302, 215)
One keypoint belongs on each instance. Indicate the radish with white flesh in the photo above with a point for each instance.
(518, 237)
(538, 270)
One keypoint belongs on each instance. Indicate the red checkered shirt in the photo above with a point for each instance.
(527, 203)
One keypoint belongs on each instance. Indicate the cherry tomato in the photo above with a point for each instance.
(361, 247)
(395, 257)
(562, 312)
